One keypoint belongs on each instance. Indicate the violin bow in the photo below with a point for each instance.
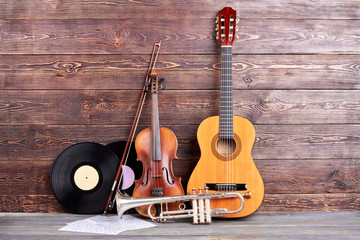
(154, 55)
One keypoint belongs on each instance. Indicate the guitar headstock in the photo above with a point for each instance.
(226, 26)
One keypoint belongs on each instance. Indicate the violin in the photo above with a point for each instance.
(156, 148)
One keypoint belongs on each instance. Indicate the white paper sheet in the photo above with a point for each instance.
(111, 225)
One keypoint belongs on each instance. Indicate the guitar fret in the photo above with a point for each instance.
(226, 96)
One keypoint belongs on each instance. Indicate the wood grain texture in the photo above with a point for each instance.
(311, 202)
(44, 9)
(30, 203)
(131, 36)
(272, 203)
(71, 71)
(181, 72)
(280, 176)
(118, 107)
(314, 142)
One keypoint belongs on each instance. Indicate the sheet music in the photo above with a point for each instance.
(111, 225)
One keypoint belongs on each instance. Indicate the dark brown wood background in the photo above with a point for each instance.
(71, 71)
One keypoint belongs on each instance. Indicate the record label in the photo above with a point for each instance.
(86, 178)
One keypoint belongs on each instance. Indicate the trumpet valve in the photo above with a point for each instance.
(207, 211)
(201, 210)
(195, 211)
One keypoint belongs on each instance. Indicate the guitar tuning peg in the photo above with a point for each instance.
(236, 28)
(216, 29)
(236, 36)
(237, 20)
(217, 37)
(216, 20)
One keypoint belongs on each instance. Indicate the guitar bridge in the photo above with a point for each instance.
(226, 187)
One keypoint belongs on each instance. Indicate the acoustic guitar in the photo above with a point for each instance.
(226, 141)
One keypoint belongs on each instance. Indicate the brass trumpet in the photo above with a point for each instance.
(200, 212)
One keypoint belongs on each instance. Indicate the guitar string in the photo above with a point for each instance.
(232, 121)
(227, 93)
(228, 115)
(231, 117)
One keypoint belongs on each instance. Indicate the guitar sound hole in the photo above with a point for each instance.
(226, 146)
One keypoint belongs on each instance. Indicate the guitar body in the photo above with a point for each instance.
(234, 168)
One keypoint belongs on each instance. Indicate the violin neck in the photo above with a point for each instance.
(155, 129)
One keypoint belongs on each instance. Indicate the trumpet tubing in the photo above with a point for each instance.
(201, 211)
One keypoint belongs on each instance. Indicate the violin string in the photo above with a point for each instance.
(157, 184)
(154, 170)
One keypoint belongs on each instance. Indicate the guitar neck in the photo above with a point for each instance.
(226, 94)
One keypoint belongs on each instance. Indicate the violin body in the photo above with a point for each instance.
(238, 167)
(157, 174)
(156, 148)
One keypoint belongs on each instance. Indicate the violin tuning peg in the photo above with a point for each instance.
(147, 84)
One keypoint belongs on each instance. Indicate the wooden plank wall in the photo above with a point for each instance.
(71, 71)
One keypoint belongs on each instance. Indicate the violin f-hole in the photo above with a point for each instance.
(167, 176)
(147, 177)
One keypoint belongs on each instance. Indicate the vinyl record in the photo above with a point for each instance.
(82, 177)
(118, 148)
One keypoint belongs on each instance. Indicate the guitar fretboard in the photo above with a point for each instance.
(226, 95)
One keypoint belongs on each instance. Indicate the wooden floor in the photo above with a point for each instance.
(309, 225)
